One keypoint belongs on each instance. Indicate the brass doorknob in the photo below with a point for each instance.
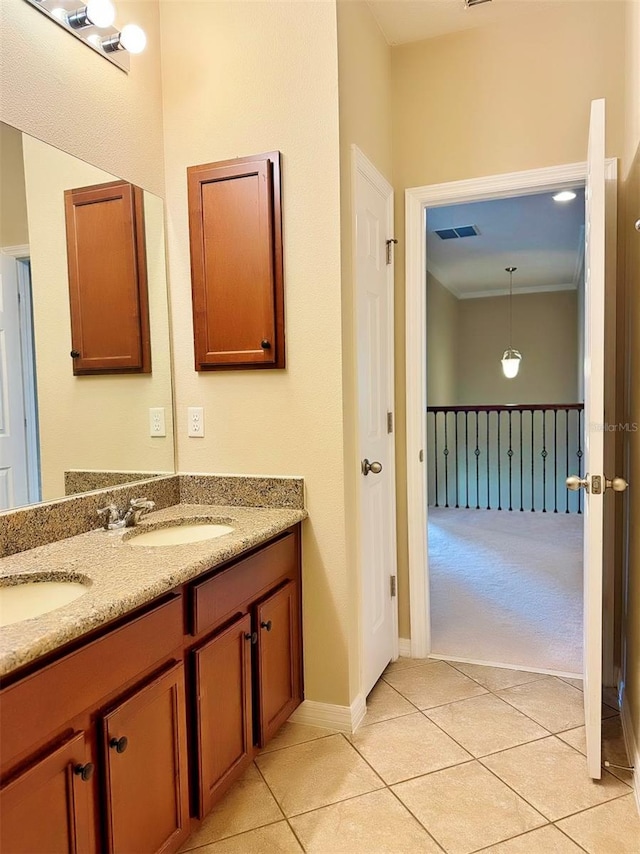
(575, 483)
(618, 484)
(367, 467)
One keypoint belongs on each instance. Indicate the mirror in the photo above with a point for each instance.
(60, 433)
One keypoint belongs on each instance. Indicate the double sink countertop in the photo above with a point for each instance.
(122, 577)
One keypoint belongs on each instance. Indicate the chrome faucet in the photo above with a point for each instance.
(112, 518)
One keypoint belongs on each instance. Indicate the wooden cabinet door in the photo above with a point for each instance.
(236, 263)
(279, 679)
(223, 710)
(48, 807)
(145, 747)
(107, 279)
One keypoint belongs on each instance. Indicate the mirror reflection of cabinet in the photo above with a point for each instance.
(107, 279)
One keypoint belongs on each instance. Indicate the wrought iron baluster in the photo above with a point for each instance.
(466, 454)
(488, 468)
(457, 479)
(521, 413)
(533, 462)
(435, 452)
(446, 460)
(477, 455)
(555, 460)
(510, 455)
(579, 455)
(543, 454)
(499, 481)
(566, 439)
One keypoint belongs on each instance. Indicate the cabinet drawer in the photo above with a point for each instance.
(38, 705)
(228, 592)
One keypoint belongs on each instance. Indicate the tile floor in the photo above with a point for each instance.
(453, 758)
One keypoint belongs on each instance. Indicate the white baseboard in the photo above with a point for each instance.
(340, 718)
(404, 647)
(631, 743)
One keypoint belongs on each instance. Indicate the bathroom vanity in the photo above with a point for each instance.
(127, 714)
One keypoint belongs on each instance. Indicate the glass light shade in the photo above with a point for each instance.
(133, 38)
(564, 196)
(101, 13)
(511, 363)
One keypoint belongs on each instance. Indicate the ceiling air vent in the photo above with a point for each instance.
(459, 231)
(470, 3)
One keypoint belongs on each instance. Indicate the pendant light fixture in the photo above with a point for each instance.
(511, 358)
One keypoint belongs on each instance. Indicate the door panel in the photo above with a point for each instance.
(594, 419)
(47, 808)
(146, 768)
(278, 659)
(223, 711)
(374, 309)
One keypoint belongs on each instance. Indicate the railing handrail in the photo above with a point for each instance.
(516, 407)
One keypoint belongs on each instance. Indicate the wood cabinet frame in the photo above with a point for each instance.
(134, 307)
(268, 240)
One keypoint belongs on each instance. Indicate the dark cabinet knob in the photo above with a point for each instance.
(75, 354)
(266, 345)
(251, 636)
(119, 744)
(266, 625)
(85, 772)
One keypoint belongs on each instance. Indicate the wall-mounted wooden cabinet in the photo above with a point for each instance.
(108, 295)
(235, 225)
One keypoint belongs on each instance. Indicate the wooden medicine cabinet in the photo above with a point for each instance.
(108, 279)
(235, 225)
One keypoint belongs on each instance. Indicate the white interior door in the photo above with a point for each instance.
(14, 490)
(594, 434)
(373, 204)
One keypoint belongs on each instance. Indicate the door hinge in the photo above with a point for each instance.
(390, 243)
(392, 580)
(389, 422)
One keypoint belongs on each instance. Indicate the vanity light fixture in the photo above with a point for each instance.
(564, 196)
(92, 23)
(132, 38)
(511, 358)
(99, 13)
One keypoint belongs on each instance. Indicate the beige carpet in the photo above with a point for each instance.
(506, 588)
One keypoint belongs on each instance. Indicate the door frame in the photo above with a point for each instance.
(21, 255)
(417, 201)
(360, 164)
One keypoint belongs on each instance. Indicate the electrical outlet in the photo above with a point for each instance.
(157, 426)
(195, 422)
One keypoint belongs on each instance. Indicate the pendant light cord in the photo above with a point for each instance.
(510, 271)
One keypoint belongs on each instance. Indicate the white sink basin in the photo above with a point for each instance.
(32, 598)
(178, 535)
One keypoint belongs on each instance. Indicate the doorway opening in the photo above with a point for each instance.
(504, 532)
(19, 439)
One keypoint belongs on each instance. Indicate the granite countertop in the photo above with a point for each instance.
(122, 577)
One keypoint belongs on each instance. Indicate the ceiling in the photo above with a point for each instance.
(403, 21)
(542, 238)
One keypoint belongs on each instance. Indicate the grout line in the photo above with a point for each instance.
(231, 835)
(425, 828)
(297, 743)
(537, 676)
(569, 837)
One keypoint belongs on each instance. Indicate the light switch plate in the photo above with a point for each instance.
(195, 422)
(157, 425)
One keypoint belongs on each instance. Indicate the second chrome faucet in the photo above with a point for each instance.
(112, 518)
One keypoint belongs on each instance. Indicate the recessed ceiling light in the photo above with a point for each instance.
(564, 196)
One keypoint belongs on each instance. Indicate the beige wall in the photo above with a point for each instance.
(364, 69)
(442, 344)
(14, 230)
(57, 89)
(544, 330)
(499, 99)
(240, 78)
(630, 210)
(89, 422)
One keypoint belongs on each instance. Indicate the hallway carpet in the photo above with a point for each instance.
(506, 588)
